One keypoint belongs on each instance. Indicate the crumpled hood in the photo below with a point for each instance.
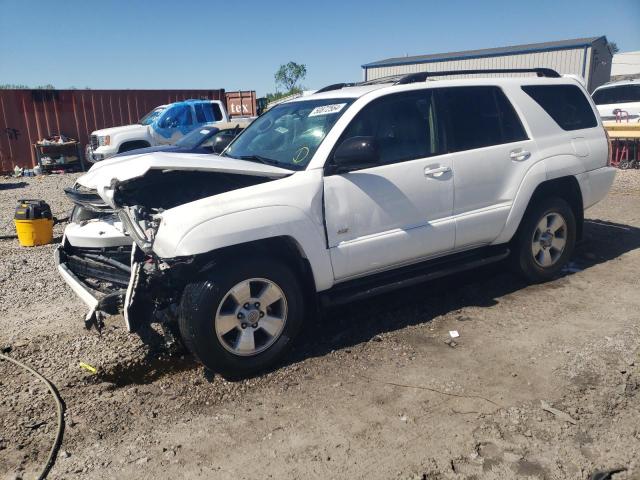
(122, 169)
(123, 129)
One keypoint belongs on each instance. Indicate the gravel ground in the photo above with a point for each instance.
(372, 391)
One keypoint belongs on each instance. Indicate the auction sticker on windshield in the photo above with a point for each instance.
(327, 109)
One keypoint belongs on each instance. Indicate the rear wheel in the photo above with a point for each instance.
(243, 317)
(545, 240)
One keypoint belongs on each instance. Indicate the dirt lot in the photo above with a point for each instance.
(372, 391)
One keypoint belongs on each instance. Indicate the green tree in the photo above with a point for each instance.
(290, 74)
(613, 46)
(272, 97)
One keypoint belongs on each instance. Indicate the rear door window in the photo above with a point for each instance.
(566, 104)
(478, 117)
(620, 94)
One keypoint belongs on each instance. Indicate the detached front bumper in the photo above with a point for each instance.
(100, 279)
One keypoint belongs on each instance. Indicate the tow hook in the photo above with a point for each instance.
(94, 318)
(108, 303)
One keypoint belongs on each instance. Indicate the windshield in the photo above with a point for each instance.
(289, 134)
(196, 137)
(151, 116)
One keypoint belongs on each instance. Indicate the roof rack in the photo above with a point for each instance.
(422, 76)
(334, 86)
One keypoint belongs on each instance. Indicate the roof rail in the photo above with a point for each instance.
(334, 86)
(422, 76)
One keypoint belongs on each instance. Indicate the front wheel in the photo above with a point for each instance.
(243, 317)
(545, 240)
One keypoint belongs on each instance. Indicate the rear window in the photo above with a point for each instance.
(207, 112)
(479, 117)
(621, 94)
(566, 104)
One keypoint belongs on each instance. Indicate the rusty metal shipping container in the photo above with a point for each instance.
(29, 115)
(241, 104)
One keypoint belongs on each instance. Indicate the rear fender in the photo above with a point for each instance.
(549, 169)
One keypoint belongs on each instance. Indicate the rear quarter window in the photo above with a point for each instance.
(566, 104)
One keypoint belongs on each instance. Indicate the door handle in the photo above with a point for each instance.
(519, 155)
(436, 172)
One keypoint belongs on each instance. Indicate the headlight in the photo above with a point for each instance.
(106, 140)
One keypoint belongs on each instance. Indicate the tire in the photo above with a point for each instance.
(209, 308)
(554, 247)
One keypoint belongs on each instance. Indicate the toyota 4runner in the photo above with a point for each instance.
(352, 191)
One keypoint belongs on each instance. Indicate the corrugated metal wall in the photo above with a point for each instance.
(563, 61)
(29, 115)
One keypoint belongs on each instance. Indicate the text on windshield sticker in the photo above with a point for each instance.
(327, 109)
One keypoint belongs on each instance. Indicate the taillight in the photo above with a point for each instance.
(609, 149)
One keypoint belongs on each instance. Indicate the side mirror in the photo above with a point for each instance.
(356, 152)
(220, 143)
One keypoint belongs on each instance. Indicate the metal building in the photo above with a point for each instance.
(590, 58)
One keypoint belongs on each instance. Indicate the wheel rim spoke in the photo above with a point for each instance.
(555, 223)
(241, 292)
(545, 258)
(272, 325)
(558, 243)
(543, 224)
(225, 322)
(269, 295)
(246, 341)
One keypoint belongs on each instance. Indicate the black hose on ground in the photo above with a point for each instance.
(53, 453)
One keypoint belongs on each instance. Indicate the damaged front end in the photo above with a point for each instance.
(107, 255)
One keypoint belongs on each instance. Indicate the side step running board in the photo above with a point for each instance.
(384, 282)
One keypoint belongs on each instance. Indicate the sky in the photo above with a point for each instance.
(239, 45)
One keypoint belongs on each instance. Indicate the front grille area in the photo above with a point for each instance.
(94, 141)
(93, 266)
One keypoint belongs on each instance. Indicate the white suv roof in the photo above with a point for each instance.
(618, 83)
(357, 90)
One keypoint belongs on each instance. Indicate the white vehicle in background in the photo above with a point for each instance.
(164, 125)
(618, 101)
(355, 190)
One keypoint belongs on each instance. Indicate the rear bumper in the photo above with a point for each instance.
(595, 185)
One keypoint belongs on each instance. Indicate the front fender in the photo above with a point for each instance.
(252, 225)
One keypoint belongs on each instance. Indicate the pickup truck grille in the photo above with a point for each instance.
(94, 141)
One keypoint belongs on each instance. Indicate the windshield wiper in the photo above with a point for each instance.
(257, 158)
(265, 160)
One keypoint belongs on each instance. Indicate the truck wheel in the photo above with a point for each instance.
(243, 317)
(545, 240)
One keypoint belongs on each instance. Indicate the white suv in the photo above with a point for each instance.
(618, 100)
(346, 193)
